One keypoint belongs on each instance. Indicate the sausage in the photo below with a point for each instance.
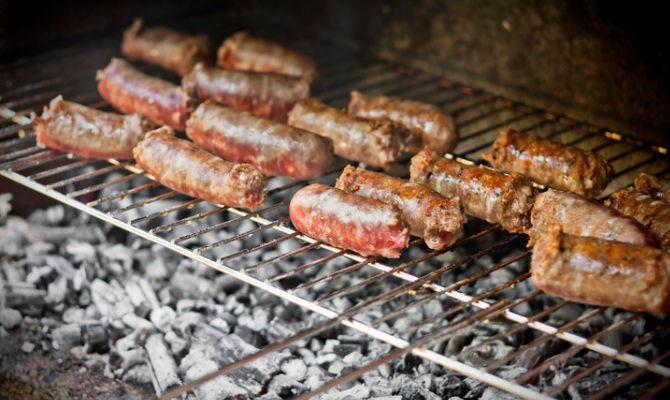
(264, 94)
(175, 51)
(187, 168)
(550, 163)
(88, 132)
(658, 188)
(131, 91)
(377, 143)
(428, 124)
(578, 215)
(347, 220)
(274, 147)
(429, 215)
(244, 51)
(484, 193)
(653, 214)
(598, 271)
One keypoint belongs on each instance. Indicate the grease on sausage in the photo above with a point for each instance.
(653, 214)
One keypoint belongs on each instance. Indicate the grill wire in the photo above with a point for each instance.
(462, 279)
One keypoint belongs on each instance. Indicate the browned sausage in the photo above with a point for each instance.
(428, 124)
(376, 143)
(264, 94)
(657, 188)
(88, 132)
(653, 214)
(244, 51)
(187, 168)
(172, 50)
(550, 163)
(428, 214)
(347, 220)
(484, 193)
(131, 91)
(604, 272)
(278, 149)
(578, 215)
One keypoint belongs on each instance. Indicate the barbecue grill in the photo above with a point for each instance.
(465, 279)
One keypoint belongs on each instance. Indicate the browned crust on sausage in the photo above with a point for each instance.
(276, 148)
(603, 272)
(173, 50)
(484, 193)
(653, 214)
(550, 163)
(131, 91)
(428, 124)
(581, 216)
(658, 188)
(429, 215)
(187, 168)
(378, 143)
(88, 132)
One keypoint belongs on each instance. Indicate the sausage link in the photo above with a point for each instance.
(550, 163)
(484, 193)
(603, 272)
(264, 94)
(175, 51)
(347, 220)
(131, 91)
(88, 132)
(276, 148)
(428, 214)
(428, 124)
(657, 188)
(581, 216)
(653, 214)
(376, 143)
(187, 168)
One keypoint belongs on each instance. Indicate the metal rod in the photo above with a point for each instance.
(121, 194)
(103, 185)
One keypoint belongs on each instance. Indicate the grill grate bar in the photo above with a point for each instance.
(99, 186)
(142, 203)
(21, 153)
(121, 194)
(186, 221)
(261, 228)
(664, 384)
(87, 175)
(264, 245)
(187, 204)
(60, 169)
(325, 278)
(28, 161)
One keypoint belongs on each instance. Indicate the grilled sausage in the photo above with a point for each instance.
(131, 91)
(187, 168)
(274, 147)
(88, 132)
(484, 193)
(172, 50)
(350, 221)
(578, 215)
(264, 94)
(657, 188)
(550, 163)
(604, 272)
(376, 143)
(653, 214)
(428, 124)
(244, 51)
(428, 214)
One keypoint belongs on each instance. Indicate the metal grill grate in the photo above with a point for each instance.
(481, 282)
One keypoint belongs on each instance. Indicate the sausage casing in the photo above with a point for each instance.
(484, 193)
(264, 94)
(244, 51)
(347, 220)
(654, 214)
(131, 91)
(187, 168)
(175, 51)
(377, 143)
(604, 272)
(429, 215)
(550, 163)
(276, 148)
(428, 124)
(578, 215)
(657, 188)
(88, 132)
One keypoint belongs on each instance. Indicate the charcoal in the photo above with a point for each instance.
(325, 358)
(294, 368)
(269, 396)
(354, 360)
(27, 347)
(36, 252)
(208, 334)
(26, 299)
(80, 251)
(178, 345)
(163, 318)
(220, 324)
(257, 321)
(306, 355)
(149, 293)
(185, 323)
(285, 386)
(192, 285)
(57, 291)
(96, 339)
(487, 353)
(250, 336)
(346, 348)
(138, 373)
(10, 318)
(162, 364)
(315, 377)
(407, 363)
(137, 298)
(156, 269)
(5, 205)
(110, 301)
(67, 337)
(40, 276)
(336, 367)
(355, 392)
(137, 323)
(221, 387)
(450, 385)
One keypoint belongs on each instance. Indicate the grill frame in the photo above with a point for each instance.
(13, 135)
